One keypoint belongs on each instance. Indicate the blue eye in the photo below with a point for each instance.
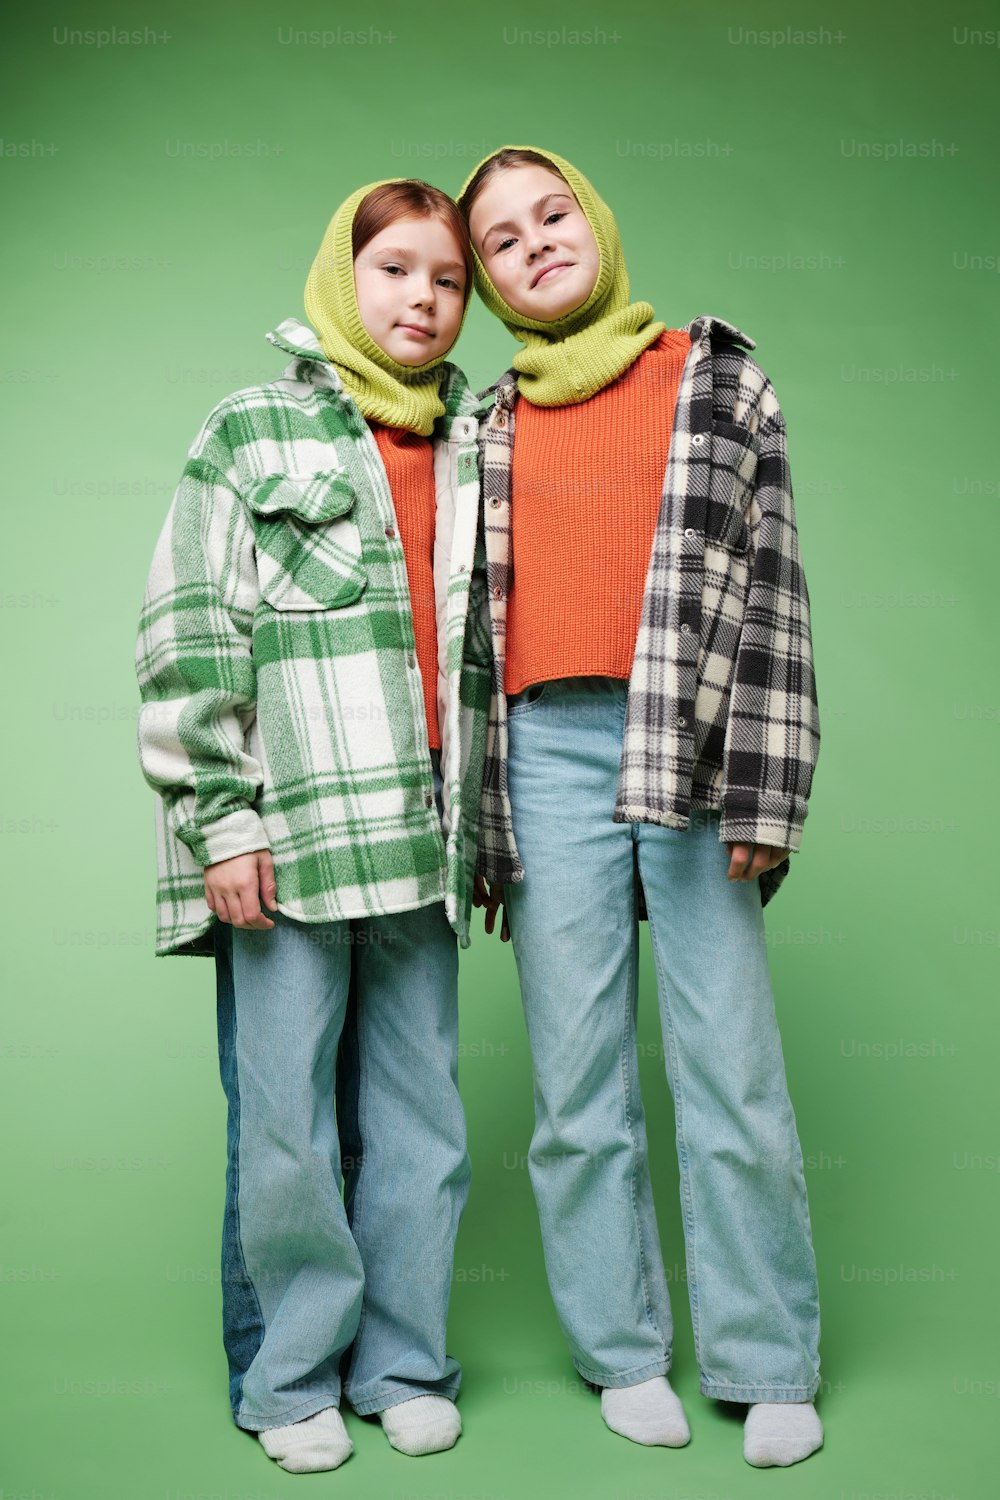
(552, 218)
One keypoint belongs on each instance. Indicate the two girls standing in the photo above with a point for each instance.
(330, 679)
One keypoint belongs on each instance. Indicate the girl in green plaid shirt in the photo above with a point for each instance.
(315, 686)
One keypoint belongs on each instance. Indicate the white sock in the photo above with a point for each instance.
(777, 1433)
(424, 1424)
(649, 1413)
(317, 1442)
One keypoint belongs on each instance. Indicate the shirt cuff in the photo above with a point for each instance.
(237, 833)
(779, 825)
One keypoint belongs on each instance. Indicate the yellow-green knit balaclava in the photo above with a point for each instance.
(572, 357)
(383, 389)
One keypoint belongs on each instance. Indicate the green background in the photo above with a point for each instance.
(835, 198)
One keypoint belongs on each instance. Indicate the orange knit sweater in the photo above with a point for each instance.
(586, 486)
(409, 467)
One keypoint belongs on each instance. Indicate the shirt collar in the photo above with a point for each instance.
(301, 341)
(296, 338)
(705, 324)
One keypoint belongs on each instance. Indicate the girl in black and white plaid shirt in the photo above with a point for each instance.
(649, 754)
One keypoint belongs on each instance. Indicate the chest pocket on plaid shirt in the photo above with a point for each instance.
(733, 476)
(308, 542)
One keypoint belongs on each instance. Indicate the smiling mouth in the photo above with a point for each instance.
(560, 265)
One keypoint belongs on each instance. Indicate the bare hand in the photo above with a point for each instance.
(491, 897)
(235, 888)
(750, 860)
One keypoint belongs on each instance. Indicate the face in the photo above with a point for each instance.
(535, 242)
(410, 284)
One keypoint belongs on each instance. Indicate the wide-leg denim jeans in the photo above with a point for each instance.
(750, 1263)
(338, 1048)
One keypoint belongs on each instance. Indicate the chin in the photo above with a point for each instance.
(548, 311)
(407, 354)
(553, 310)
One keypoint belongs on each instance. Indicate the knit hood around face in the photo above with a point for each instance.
(570, 358)
(383, 389)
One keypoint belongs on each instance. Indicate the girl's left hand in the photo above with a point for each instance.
(491, 897)
(750, 860)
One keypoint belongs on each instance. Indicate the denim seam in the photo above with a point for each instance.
(803, 1194)
(237, 1175)
(682, 1156)
(803, 1190)
(295, 1414)
(649, 1370)
(520, 709)
(367, 1406)
(627, 1037)
(724, 1391)
(362, 1137)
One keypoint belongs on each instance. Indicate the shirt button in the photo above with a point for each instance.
(501, 418)
(495, 501)
(428, 800)
(390, 531)
(498, 592)
(685, 627)
(697, 439)
(690, 531)
(681, 720)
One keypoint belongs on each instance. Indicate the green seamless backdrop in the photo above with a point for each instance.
(821, 176)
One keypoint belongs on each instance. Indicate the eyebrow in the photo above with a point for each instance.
(538, 204)
(448, 265)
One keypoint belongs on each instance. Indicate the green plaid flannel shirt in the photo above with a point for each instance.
(282, 702)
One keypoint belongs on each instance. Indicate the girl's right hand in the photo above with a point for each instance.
(235, 888)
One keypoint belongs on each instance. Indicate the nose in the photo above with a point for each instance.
(422, 292)
(536, 244)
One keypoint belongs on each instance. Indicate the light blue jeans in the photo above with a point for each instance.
(750, 1264)
(316, 1288)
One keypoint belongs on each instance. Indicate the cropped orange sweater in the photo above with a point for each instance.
(409, 467)
(586, 486)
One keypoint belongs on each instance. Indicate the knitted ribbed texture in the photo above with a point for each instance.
(568, 359)
(409, 467)
(384, 390)
(587, 481)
